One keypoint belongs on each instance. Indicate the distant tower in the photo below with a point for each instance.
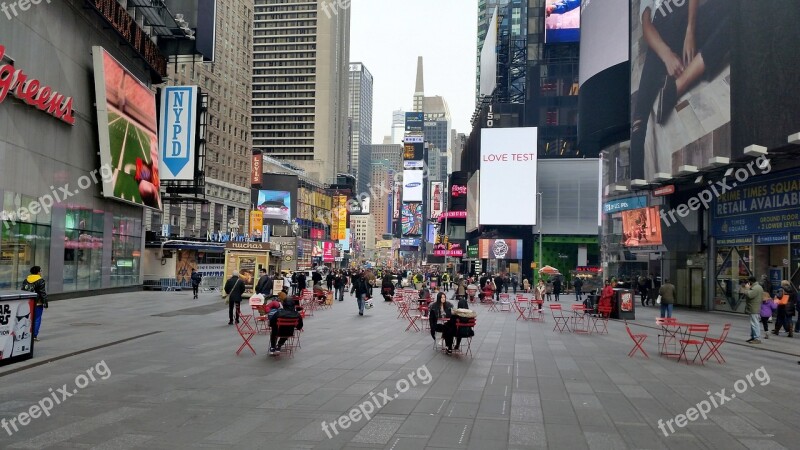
(419, 89)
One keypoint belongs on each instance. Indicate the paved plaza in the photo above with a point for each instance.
(173, 381)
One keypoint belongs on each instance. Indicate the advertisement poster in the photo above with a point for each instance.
(126, 121)
(256, 224)
(563, 21)
(641, 227)
(412, 219)
(275, 205)
(413, 151)
(500, 249)
(327, 252)
(458, 192)
(247, 264)
(187, 260)
(437, 203)
(16, 327)
(412, 185)
(680, 96)
(415, 122)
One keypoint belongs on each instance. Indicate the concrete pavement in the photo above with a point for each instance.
(175, 382)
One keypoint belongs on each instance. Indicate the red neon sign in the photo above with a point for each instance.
(30, 90)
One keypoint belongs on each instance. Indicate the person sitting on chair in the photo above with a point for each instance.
(461, 315)
(441, 308)
(284, 333)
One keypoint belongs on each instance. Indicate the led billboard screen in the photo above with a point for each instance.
(500, 249)
(127, 132)
(276, 206)
(641, 227)
(508, 170)
(563, 21)
(412, 185)
(412, 219)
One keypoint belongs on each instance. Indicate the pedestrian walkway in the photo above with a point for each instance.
(175, 382)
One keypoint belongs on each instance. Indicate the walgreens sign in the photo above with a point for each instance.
(30, 90)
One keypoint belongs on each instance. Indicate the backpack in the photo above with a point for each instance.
(28, 286)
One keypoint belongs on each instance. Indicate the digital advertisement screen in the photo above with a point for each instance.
(500, 249)
(604, 32)
(686, 122)
(508, 168)
(641, 227)
(413, 152)
(412, 185)
(276, 206)
(412, 219)
(437, 199)
(327, 252)
(415, 121)
(127, 132)
(562, 21)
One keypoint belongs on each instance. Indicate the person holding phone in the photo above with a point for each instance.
(753, 292)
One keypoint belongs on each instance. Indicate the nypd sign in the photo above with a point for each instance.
(178, 129)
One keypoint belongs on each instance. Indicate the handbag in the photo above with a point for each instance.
(225, 295)
(658, 300)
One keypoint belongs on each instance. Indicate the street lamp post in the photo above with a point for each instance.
(539, 220)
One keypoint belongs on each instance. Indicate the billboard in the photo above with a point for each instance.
(641, 227)
(414, 152)
(604, 26)
(680, 95)
(16, 328)
(473, 201)
(412, 219)
(508, 170)
(275, 205)
(126, 123)
(397, 200)
(415, 122)
(500, 249)
(327, 252)
(176, 141)
(437, 199)
(562, 21)
(458, 191)
(255, 169)
(256, 224)
(412, 185)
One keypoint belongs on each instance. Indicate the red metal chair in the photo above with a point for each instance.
(669, 338)
(505, 303)
(459, 326)
(246, 332)
(714, 345)
(259, 315)
(579, 315)
(695, 337)
(604, 312)
(292, 341)
(561, 321)
(412, 319)
(522, 306)
(638, 340)
(537, 313)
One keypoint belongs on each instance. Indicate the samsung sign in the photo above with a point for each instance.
(624, 204)
(176, 143)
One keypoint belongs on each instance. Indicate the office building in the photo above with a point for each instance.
(228, 141)
(362, 229)
(360, 114)
(380, 209)
(398, 126)
(392, 154)
(300, 85)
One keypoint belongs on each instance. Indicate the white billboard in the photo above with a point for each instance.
(473, 206)
(177, 131)
(605, 33)
(412, 185)
(508, 176)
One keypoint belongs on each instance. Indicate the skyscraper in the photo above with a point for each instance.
(382, 178)
(392, 154)
(398, 126)
(437, 122)
(360, 113)
(228, 142)
(485, 10)
(300, 85)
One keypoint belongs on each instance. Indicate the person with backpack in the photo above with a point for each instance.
(284, 333)
(234, 288)
(578, 285)
(196, 278)
(36, 284)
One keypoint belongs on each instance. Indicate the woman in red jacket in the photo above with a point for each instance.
(607, 295)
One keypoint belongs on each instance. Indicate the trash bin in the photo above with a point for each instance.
(17, 310)
(624, 305)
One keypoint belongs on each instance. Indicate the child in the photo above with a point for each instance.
(767, 307)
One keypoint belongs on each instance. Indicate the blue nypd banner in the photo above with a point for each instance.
(177, 132)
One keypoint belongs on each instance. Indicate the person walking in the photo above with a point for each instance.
(514, 282)
(196, 279)
(548, 290)
(768, 307)
(329, 279)
(234, 288)
(784, 299)
(753, 292)
(36, 284)
(667, 293)
(641, 285)
(557, 287)
(526, 285)
(498, 286)
(539, 293)
(362, 291)
(578, 285)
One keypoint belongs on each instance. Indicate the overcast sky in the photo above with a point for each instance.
(388, 35)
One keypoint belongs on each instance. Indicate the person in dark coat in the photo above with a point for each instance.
(463, 332)
(234, 287)
(264, 285)
(301, 282)
(557, 287)
(36, 284)
(499, 283)
(441, 308)
(196, 280)
(284, 333)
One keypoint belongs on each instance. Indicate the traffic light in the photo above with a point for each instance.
(437, 239)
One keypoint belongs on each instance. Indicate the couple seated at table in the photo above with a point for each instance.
(441, 309)
(320, 294)
(279, 335)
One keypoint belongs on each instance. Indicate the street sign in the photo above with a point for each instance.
(664, 190)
